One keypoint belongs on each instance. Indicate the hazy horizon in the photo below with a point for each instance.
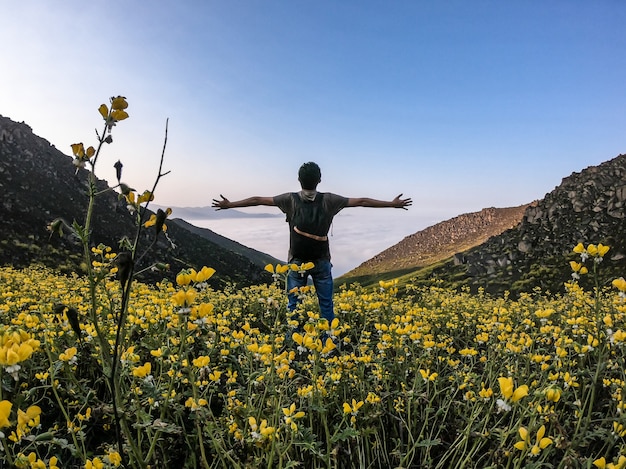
(357, 234)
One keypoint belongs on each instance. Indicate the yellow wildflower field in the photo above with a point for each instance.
(426, 378)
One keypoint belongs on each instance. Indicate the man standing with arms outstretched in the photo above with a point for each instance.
(310, 214)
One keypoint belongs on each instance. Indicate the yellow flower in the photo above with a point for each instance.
(545, 313)
(485, 393)
(575, 265)
(158, 220)
(602, 464)
(352, 409)
(506, 388)
(5, 412)
(95, 463)
(291, 411)
(328, 346)
(119, 103)
(119, 115)
(305, 341)
(252, 423)
(78, 150)
(184, 297)
(205, 309)
(14, 353)
(34, 462)
(265, 430)
(390, 284)
(114, 458)
(143, 370)
(578, 267)
(279, 269)
(524, 443)
(553, 394)
(291, 415)
(183, 278)
(620, 284)
(427, 375)
(30, 417)
(104, 111)
(195, 404)
(68, 354)
(204, 274)
(147, 196)
(302, 268)
(592, 250)
(201, 361)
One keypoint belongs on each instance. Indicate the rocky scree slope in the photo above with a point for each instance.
(587, 207)
(38, 184)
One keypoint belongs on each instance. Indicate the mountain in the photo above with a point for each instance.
(257, 257)
(513, 249)
(440, 241)
(209, 213)
(38, 184)
(587, 207)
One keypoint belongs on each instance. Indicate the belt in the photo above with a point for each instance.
(309, 235)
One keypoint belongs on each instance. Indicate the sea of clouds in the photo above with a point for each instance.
(356, 236)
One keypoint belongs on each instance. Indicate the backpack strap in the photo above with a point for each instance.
(309, 235)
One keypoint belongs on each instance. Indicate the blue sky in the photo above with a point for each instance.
(461, 105)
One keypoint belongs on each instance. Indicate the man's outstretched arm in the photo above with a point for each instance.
(249, 202)
(367, 202)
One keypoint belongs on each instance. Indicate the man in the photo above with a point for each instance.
(310, 214)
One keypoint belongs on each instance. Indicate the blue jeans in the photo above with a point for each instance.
(323, 282)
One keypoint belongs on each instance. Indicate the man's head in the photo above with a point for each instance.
(309, 175)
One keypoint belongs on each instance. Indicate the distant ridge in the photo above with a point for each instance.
(442, 240)
(255, 256)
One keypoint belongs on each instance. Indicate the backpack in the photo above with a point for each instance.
(309, 226)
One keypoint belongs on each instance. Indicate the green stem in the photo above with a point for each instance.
(59, 401)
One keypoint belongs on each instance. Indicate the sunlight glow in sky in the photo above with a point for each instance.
(459, 105)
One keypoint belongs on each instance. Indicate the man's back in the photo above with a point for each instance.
(310, 215)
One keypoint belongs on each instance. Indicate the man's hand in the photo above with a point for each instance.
(402, 203)
(221, 204)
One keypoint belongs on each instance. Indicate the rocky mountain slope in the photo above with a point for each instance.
(38, 184)
(440, 241)
(587, 207)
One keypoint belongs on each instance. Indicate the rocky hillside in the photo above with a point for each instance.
(587, 207)
(534, 252)
(38, 184)
(440, 241)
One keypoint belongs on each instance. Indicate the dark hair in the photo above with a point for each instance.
(309, 175)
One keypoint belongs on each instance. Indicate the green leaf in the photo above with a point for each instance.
(428, 443)
(345, 435)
